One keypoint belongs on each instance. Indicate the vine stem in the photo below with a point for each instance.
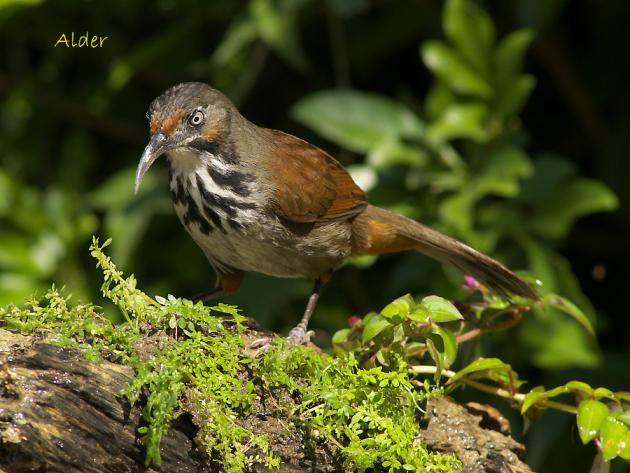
(518, 397)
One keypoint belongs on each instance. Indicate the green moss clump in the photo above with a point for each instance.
(369, 414)
(189, 358)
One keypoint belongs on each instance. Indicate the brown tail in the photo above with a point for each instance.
(377, 231)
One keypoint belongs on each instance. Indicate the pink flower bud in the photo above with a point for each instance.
(470, 283)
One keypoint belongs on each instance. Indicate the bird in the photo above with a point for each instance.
(260, 200)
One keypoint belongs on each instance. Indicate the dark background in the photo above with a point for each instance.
(72, 129)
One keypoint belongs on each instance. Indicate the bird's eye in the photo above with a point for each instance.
(196, 118)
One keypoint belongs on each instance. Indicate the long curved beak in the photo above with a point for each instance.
(157, 146)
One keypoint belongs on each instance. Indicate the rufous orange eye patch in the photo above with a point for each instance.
(154, 125)
(168, 126)
(210, 134)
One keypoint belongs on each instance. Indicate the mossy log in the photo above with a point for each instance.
(61, 413)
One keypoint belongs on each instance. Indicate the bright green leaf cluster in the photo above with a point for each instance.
(403, 331)
(608, 422)
(398, 338)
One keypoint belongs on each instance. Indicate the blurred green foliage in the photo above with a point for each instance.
(41, 238)
(499, 128)
(464, 147)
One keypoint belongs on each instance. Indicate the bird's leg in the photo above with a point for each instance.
(207, 295)
(226, 284)
(298, 334)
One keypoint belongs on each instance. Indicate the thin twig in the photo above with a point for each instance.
(507, 324)
(504, 393)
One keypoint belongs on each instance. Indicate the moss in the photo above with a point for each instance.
(190, 358)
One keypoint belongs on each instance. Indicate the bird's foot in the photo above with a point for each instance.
(299, 336)
(262, 344)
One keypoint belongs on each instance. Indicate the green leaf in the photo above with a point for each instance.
(612, 434)
(8, 191)
(557, 342)
(537, 394)
(579, 387)
(624, 416)
(448, 180)
(471, 30)
(532, 397)
(16, 287)
(277, 24)
(571, 309)
(374, 325)
(356, 120)
(441, 310)
(623, 396)
(460, 121)
(508, 56)
(117, 190)
(418, 314)
(400, 333)
(5, 4)
(438, 98)
(437, 358)
(450, 345)
(502, 171)
(415, 349)
(400, 307)
(239, 35)
(625, 443)
(549, 173)
(362, 261)
(392, 151)
(554, 217)
(603, 392)
(341, 336)
(481, 364)
(457, 210)
(590, 416)
(128, 215)
(543, 262)
(450, 68)
(16, 254)
(511, 100)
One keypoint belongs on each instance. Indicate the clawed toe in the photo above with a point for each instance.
(299, 336)
(261, 344)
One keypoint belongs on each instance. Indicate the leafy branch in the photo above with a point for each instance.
(408, 334)
(487, 388)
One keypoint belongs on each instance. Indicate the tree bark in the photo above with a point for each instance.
(61, 413)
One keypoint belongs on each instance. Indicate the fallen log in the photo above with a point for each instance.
(61, 413)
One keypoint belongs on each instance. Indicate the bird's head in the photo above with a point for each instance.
(187, 117)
